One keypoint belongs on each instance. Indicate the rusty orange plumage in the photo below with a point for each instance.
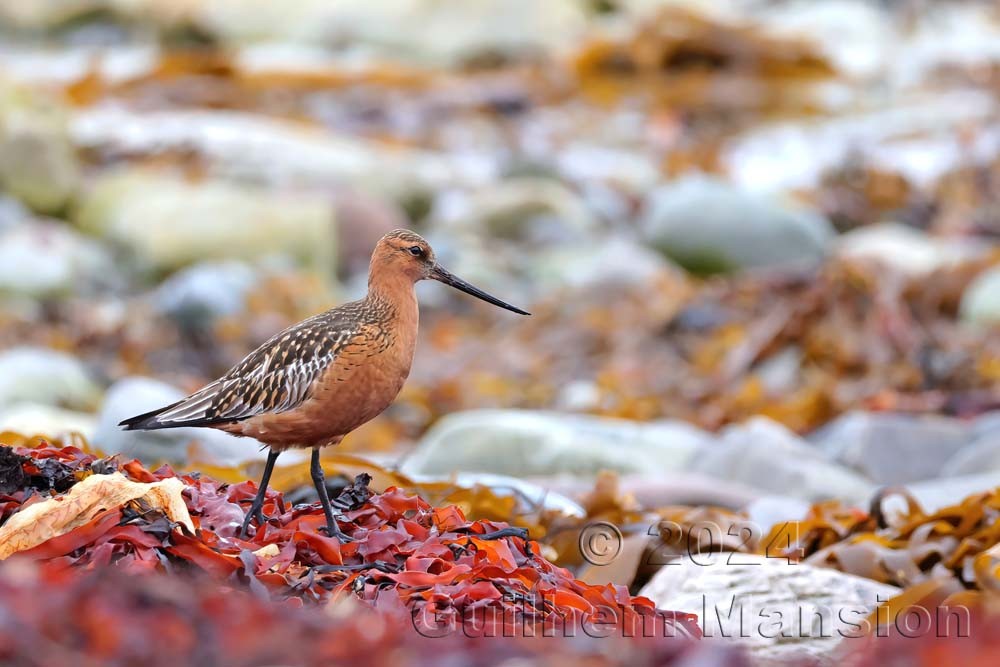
(315, 382)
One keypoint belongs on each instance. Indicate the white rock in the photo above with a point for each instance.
(135, 395)
(905, 249)
(767, 456)
(781, 611)
(45, 376)
(38, 164)
(198, 294)
(523, 443)
(611, 264)
(780, 372)
(259, 149)
(526, 208)
(449, 33)
(892, 448)
(964, 35)
(12, 213)
(578, 396)
(52, 67)
(583, 162)
(36, 419)
(934, 494)
(986, 424)
(706, 225)
(857, 36)
(454, 33)
(981, 299)
(167, 222)
(768, 511)
(981, 455)
(919, 136)
(685, 488)
(42, 259)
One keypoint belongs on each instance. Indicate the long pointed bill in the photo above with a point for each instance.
(438, 273)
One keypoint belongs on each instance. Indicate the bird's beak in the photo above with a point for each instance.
(440, 274)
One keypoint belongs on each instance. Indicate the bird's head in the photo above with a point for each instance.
(402, 252)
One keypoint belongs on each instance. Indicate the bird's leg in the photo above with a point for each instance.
(256, 509)
(332, 529)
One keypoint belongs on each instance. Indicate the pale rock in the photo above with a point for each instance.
(934, 494)
(195, 296)
(135, 395)
(523, 443)
(917, 135)
(981, 455)
(780, 372)
(769, 511)
(459, 32)
(578, 396)
(167, 222)
(609, 264)
(528, 209)
(686, 488)
(783, 612)
(38, 163)
(449, 33)
(892, 448)
(630, 170)
(244, 146)
(45, 376)
(12, 213)
(708, 226)
(53, 67)
(769, 457)
(952, 35)
(981, 300)
(56, 423)
(857, 36)
(45, 259)
(986, 424)
(904, 249)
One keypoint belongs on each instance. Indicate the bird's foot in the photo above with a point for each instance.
(255, 512)
(333, 530)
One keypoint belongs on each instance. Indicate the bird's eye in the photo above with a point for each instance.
(416, 250)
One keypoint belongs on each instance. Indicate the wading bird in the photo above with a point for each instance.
(315, 382)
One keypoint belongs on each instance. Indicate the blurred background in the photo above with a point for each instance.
(761, 233)
(759, 239)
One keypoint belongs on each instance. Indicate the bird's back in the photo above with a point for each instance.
(277, 377)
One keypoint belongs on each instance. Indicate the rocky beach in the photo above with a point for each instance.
(759, 240)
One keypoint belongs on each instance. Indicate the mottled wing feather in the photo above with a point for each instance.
(276, 377)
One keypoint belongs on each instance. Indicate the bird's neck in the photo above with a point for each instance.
(395, 291)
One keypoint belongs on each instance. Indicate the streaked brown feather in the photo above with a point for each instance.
(281, 374)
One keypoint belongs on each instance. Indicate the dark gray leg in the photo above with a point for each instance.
(319, 479)
(258, 501)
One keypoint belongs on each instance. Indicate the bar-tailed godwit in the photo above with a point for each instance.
(315, 382)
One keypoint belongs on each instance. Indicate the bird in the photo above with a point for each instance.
(313, 383)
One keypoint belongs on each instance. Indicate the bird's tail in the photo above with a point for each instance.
(149, 421)
(194, 410)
